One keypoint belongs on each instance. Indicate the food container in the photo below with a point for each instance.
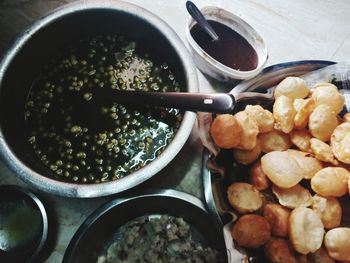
(23, 225)
(223, 171)
(213, 68)
(43, 39)
(100, 228)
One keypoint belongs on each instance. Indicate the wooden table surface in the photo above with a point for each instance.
(293, 30)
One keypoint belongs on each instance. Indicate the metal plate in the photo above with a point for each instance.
(215, 185)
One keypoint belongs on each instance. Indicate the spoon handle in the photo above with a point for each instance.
(198, 16)
(203, 102)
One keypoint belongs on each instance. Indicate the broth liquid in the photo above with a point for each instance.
(86, 141)
(19, 225)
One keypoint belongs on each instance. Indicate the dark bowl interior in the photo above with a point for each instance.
(46, 41)
(93, 235)
(28, 214)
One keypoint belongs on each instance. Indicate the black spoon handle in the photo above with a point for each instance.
(204, 102)
(198, 16)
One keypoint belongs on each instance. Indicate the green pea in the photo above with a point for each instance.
(88, 96)
(53, 167)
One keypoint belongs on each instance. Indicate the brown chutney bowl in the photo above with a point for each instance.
(22, 63)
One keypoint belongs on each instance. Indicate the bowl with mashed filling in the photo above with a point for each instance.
(55, 135)
(159, 226)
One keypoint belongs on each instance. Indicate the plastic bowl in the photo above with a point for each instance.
(213, 68)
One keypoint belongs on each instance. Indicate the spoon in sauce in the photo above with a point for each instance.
(201, 21)
(225, 45)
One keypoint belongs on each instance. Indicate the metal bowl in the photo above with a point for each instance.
(21, 211)
(33, 49)
(216, 184)
(97, 231)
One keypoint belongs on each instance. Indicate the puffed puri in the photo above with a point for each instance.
(337, 242)
(226, 131)
(306, 230)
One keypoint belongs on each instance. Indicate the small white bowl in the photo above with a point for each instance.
(213, 68)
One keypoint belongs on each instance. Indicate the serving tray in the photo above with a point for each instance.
(218, 168)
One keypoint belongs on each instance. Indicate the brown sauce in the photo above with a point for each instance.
(231, 49)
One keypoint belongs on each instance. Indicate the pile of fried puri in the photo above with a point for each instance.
(300, 153)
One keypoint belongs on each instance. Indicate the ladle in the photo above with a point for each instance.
(200, 19)
(197, 102)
